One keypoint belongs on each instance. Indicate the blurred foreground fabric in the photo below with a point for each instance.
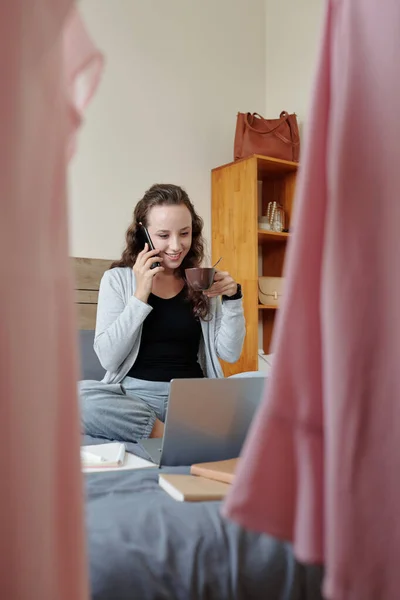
(49, 70)
(320, 464)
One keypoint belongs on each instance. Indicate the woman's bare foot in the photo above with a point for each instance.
(158, 429)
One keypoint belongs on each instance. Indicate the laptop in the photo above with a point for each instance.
(207, 420)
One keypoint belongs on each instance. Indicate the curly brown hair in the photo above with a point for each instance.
(168, 195)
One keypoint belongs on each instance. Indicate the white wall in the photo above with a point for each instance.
(177, 72)
(293, 31)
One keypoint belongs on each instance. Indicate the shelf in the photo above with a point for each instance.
(241, 192)
(272, 236)
(266, 165)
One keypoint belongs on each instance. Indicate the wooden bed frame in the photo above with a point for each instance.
(88, 272)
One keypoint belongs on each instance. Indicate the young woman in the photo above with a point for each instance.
(151, 327)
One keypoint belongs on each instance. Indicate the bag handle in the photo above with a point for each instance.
(284, 116)
(283, 119)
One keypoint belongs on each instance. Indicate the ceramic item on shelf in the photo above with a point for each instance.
(278, 221)
(275, 219)
(263, 223)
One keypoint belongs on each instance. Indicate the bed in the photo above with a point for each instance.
(144, 545)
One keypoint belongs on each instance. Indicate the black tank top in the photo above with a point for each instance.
(170, 341)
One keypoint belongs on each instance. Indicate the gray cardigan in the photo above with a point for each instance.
(120, 317)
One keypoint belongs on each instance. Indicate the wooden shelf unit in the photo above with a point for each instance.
(243, 246)
(265, 237)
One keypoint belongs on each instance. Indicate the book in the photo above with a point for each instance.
(103, 455)
(188, 488)
(220, 470)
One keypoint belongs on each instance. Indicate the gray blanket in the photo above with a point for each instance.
(144, 545)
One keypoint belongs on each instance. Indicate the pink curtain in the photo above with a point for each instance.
(321, 464)
(49, 70)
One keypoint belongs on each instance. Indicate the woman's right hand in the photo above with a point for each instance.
(144, 274)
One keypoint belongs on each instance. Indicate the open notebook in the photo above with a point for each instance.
(112, 456)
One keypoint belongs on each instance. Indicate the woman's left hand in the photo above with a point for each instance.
(223, 284)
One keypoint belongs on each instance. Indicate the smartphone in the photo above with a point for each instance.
(145, 236)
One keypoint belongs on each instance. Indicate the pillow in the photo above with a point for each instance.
(89, 363)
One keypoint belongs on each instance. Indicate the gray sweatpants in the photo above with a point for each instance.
(122, 411)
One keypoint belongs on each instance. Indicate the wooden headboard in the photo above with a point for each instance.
(88, 272)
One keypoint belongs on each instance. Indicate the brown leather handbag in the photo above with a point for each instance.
(278, 138)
